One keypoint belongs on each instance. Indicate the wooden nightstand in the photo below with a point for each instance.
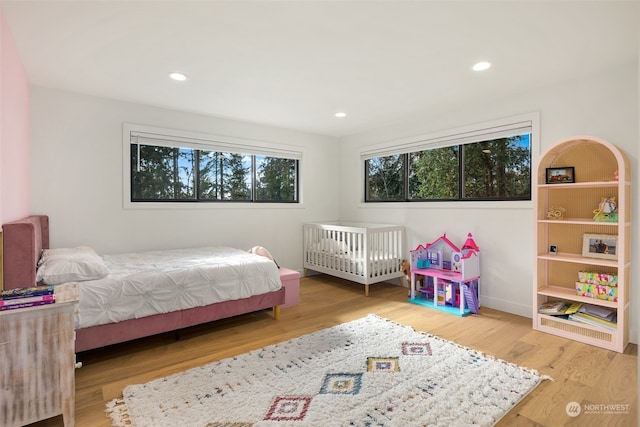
(37, 362)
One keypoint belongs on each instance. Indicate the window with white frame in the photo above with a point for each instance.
(482, 163)
(175, 166)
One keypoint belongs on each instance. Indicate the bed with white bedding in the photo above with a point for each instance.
(146, 283)
(363, 253)
(128, 296)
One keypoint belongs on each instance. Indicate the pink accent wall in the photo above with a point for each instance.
(14, 130)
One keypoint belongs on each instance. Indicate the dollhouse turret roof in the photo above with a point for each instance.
(470, 244)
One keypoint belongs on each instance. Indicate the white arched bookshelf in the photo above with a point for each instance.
(565, 201)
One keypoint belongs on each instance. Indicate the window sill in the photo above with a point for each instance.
(497, 204)
(213, 205)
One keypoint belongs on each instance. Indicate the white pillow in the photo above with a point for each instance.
(64, 265)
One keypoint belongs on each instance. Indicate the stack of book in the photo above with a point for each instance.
(559, 308)
(596, 316)
(26, 297)
(553, 308)
(597, 285)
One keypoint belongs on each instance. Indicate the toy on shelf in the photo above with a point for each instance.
(556, 213)
(607, 210)
(449, 276)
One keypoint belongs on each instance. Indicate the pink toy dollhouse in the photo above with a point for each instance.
(437, 254)
(450, 275)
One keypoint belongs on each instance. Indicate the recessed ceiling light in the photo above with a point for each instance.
(178, 77)
(481, 66)
(341, 114)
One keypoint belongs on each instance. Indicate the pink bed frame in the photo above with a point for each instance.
(23, 242)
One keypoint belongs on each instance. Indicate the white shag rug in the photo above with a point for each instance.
(368, 372)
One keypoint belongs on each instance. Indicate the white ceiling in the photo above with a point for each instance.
(294, 64)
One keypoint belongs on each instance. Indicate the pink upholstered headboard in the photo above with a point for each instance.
(23, 242)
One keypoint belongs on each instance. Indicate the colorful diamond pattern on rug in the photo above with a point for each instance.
(416, 349)
(383, 364)
(341, 384)
(329, 378)
(288, 409)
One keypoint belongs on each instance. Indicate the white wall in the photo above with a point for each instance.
(76, 175)
(604, 105)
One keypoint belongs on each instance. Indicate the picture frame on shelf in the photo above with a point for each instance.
(560, 175)
(603, 246)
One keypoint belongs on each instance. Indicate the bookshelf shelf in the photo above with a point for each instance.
(596, 162)
(577, 259)
(586, 184)
(578, 221)
(567, 294)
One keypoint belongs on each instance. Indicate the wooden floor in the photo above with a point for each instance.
(582, 373)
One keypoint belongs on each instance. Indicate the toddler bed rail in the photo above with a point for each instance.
(363, 253)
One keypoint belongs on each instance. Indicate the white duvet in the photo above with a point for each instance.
(147, 283)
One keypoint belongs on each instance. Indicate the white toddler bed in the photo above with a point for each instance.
(363, 253)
